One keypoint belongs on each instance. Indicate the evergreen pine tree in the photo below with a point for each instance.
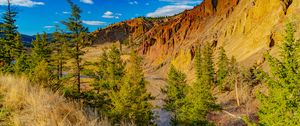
(200, 100)
(207, 66)
(281, 105)
(107, 78)
(21, 64)
(41, 73)
(39, 60)
(176, 92)
(40, 50)
(115, 68)
(9, 27)
(59, 54)
(131, 102)
(79, 38)
(2, 45)
(101, 81)
(198, 63)
(223, 66)
(10, 42)
(19, 47)
(45, 48)
(2, 54)
(36, 53)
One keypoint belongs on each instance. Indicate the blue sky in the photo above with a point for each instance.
(42, 15)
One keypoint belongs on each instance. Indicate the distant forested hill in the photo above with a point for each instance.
(27, 39)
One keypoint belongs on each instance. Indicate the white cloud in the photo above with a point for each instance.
(87, 1)
(93, 23)
(23, 3)
(66, 12)
(119, 14)
(48, 27)
(181, 2)
(133, 2)
(174, 7)
(169, 10)
(109, 14)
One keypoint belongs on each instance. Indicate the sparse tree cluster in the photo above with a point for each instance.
(190, 104)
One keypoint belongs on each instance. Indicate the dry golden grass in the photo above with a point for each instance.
(32, 105)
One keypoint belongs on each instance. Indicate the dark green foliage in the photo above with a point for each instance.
(2, 54)
(176, 93)
(200, 100)
(41, 50)
(59, 55)
(223, 66)
(131, 102)
(228, 72)
(18, 49)
(78, 38)
(101, 75)
(110, 70)
(120, 94)
(107, 78)
(207, 75)
(9, 27)
(39, 68)
(198, 63)
(10, 43)
(281, 105)
(115, 68)
(21, 64)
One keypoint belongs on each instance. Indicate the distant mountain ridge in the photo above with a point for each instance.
(27, 39)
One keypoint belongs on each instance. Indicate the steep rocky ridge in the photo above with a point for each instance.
(245, 28)
(123, 31)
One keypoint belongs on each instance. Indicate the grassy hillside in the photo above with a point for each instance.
(23, 104)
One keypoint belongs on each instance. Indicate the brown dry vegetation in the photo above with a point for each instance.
(23, 104)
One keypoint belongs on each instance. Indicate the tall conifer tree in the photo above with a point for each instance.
(176, 93)
(223, 66)
(281, 105)
(131, 102)
(115, 68)
(39, 60)
(10, 43)
(79, 38)
(59, 55)
(200, 100)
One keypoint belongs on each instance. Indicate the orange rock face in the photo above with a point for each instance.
(245, 28)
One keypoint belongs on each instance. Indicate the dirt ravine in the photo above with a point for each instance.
(155, 85)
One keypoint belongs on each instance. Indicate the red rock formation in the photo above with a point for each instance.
(242, 27)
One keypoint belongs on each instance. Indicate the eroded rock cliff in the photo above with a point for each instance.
(245, 28)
